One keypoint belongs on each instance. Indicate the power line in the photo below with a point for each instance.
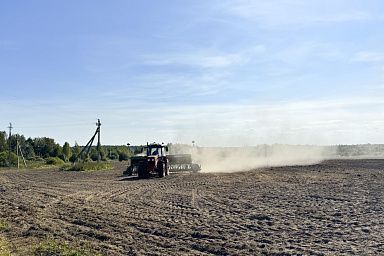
(56, 125)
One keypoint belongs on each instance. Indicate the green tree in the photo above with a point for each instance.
(93, 154)
(103, 153)
(124, 153)
(75, 152)
(4, 157)
(13, 142)
(123, 156)
(28, 149)
(45, 147)
(3, 141)
(66, 151)
(113, 154)
(57, 151)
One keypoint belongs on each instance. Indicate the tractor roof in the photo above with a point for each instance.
(154, 145)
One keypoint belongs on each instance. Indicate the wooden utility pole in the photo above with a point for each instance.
(87, 147)
(98, 124)
(22, 156)
(17, 151)
(9, 142)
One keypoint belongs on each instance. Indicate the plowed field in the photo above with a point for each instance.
(332, 208)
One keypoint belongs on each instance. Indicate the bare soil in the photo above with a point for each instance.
(332, 208)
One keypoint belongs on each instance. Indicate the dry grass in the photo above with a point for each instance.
(88, 167)
(52, 247)
(3, 225)
(4, 247)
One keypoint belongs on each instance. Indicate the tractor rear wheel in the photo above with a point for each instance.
(167, 169)
(161, 170)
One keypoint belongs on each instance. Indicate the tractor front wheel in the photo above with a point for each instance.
(142, 173)
(128, 171)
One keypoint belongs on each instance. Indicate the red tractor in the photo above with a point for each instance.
(153, 162)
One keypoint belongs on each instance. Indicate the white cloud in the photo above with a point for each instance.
(206, 58)
(204, 61)
(308, 49)
(166, 86)
(202, 72)
(368, 56)
(277, 13)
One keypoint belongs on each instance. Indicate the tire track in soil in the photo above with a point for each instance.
(335, 207)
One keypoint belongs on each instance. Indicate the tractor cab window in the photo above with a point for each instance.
(155, 151)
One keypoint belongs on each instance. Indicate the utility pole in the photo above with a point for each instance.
(17, 151)
(88, 146)
(22, 156)
(98, 140)
(9, 142)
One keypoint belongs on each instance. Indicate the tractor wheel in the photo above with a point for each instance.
(128, 171)
(161, 171)
(166, 169)
(142, 173)
(196, 168)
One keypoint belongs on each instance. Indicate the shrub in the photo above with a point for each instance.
(123, 156)
(4, 159)
(54, 161)
(88, 166)
(36, 159)
(36, 165)
(113, 155)
(72, 158)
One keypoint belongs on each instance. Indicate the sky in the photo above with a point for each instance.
(219, 72)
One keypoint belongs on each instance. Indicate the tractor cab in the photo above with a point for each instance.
(156, 150)
(155, 156)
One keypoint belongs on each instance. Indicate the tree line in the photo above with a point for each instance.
(42, 148)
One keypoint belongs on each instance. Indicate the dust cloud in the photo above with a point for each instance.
(233, 159)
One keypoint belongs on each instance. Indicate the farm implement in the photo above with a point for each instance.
(155, 162)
